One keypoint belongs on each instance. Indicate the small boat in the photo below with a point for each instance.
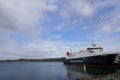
(92, 55)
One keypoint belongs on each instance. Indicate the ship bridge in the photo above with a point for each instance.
(94, 49)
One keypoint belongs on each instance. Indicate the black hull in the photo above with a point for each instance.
(96, 60)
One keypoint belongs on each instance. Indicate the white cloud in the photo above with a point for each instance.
(38, 48)
(76, 7)
(107, 28)
(84, 28)
(110, 21)
(23, 15)
(112, 26)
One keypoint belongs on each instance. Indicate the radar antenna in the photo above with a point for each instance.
(93, 44)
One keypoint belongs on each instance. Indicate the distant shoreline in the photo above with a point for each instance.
(36, 60)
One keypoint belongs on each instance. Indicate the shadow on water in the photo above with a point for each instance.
(78, 72)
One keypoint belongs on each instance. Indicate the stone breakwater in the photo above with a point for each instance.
(113, 76)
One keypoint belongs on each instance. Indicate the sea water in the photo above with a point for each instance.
(47, 71)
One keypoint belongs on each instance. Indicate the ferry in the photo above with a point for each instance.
(93, 55)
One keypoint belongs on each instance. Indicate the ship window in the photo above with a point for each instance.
(91, 51)
(93, 48)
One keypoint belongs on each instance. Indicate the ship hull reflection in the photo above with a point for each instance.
(77, 72)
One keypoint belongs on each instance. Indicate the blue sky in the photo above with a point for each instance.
(49, 28)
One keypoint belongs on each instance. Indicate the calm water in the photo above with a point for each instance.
(47, 71)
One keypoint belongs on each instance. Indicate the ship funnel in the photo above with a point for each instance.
(68, 54)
